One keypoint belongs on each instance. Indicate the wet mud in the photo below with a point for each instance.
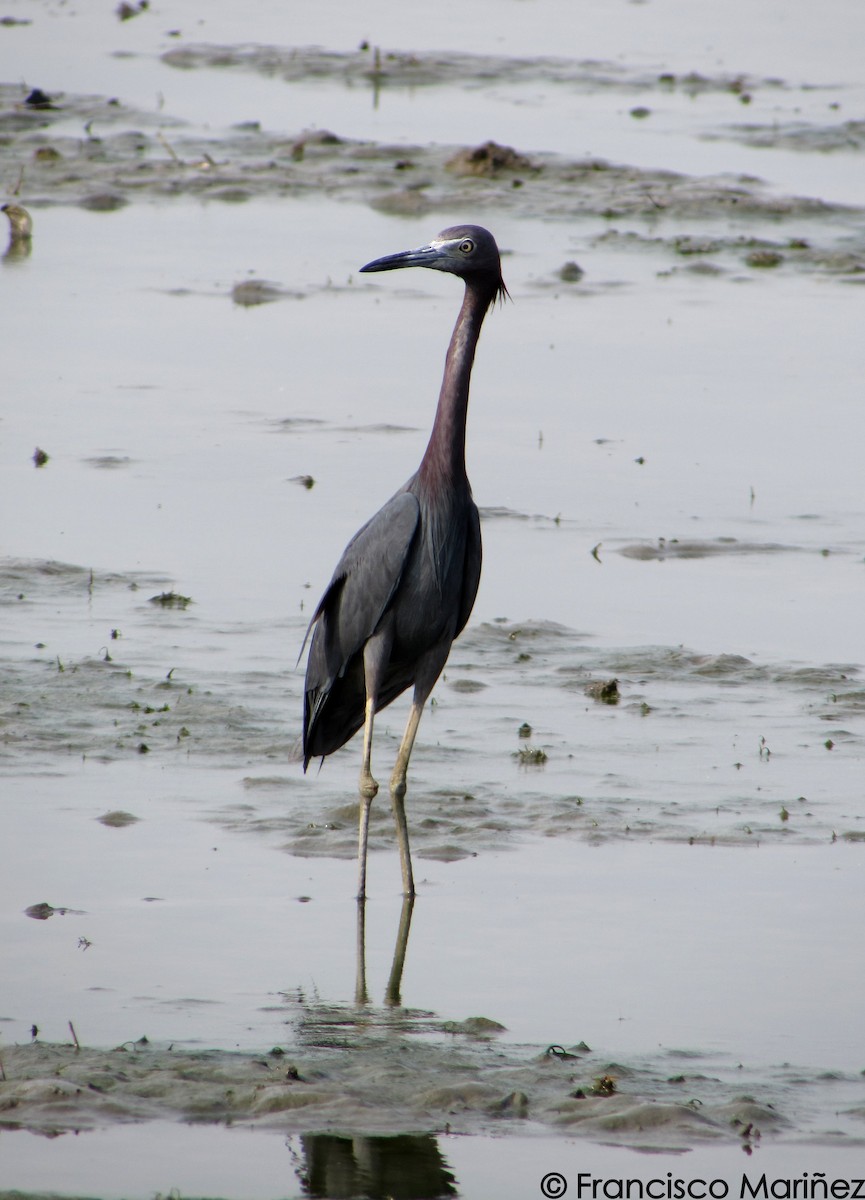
(396, 1072)
(522, 691)
(375, 67)
(592, 773)
(94, 152)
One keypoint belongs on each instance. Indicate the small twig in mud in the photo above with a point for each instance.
(165, 142)
(74, 1036)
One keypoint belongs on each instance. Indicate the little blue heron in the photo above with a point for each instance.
(407, 581)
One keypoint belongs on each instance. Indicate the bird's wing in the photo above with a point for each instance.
(364, 583)
(471, 571)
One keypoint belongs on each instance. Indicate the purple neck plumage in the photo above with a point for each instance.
(444, 458)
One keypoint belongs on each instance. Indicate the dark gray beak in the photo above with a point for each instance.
(424, 256)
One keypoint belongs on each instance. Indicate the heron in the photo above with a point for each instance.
(406, 583)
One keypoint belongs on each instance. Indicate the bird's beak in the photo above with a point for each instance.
(424, 256)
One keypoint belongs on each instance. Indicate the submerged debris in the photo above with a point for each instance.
(20, 233)
(20, 221)
(255, 291)
(605, 691)
(170, 600)
(488, 160)
(603, 1085)
(103, 202)
(36, 98)
(118, 819)
(530, 756)
(41, 912)
(571, 272)
(764, 258)
(476, 1027)
(126, 11)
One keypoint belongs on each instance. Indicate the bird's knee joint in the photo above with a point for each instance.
(368, 787)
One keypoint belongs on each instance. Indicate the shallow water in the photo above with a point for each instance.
(666, 452)
(217, 1163)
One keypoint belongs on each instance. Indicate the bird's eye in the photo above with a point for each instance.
(467, 246)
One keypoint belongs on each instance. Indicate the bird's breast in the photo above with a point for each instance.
(432, 584)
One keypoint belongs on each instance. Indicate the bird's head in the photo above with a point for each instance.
(468, 251)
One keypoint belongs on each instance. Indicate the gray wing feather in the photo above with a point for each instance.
(362, 587)
(472, 573)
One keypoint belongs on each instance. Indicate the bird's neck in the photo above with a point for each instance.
(445, 458)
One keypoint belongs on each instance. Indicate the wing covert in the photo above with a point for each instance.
(363, 584)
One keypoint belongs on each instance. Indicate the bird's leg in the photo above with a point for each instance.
(368, 788)
(361, 997)
(365, 802)
(397, 795)
(367, 785)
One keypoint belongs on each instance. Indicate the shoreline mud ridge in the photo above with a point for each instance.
(395, 1071)
(97, 153)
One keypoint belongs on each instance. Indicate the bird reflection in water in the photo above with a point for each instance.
(399, 1166)
(345, 1166)
(406, 583)
(393, 991)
